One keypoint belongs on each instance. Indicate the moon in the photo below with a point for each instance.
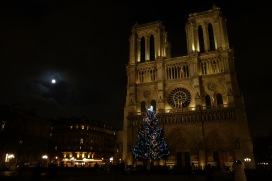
(53, 81)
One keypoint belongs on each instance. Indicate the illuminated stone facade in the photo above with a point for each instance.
(81, 142)
(196, 97)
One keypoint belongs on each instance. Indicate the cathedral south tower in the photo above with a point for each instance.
(196, 97)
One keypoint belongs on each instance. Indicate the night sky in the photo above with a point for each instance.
(84, 45)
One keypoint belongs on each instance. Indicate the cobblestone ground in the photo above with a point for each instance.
(87, 176)
(114, 177)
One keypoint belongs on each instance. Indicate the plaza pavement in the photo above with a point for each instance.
(79, 175)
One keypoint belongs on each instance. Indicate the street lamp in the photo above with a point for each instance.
(247, 160)
(19, 152)
(45, 158)
(203, 135)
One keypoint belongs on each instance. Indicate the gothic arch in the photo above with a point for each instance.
(219, 99)
(142, 50)
(208, 101)
(152, 48)
(211, 37)
(153, 103)
(201, 39)
(143, 106)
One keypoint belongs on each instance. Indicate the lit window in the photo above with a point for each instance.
(71, 127)
(81, 140)
(82, 127)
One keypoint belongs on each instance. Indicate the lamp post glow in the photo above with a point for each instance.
(247, 160)
(45, 158)
(9, 157)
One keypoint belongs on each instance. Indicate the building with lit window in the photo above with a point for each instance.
(24, 136)
(196, 97)
(81, 142)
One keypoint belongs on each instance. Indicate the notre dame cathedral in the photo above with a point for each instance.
(196, 97)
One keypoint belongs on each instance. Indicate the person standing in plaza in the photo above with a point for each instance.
(96, 168)
(209, 172)
(190, 169)
(36, 175)
(239, 171)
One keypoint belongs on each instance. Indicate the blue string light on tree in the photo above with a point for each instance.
(151, 144)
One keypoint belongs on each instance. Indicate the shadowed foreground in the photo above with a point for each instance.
(80, 174)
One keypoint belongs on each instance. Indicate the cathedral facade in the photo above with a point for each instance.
(196, 97)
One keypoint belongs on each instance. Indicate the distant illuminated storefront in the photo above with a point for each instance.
(80, 142)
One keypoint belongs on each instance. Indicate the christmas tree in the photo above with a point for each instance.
(151, 144)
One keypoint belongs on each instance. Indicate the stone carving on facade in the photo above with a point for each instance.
(211, 86)
(146, 93)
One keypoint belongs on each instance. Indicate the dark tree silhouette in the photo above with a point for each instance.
(151, 144)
